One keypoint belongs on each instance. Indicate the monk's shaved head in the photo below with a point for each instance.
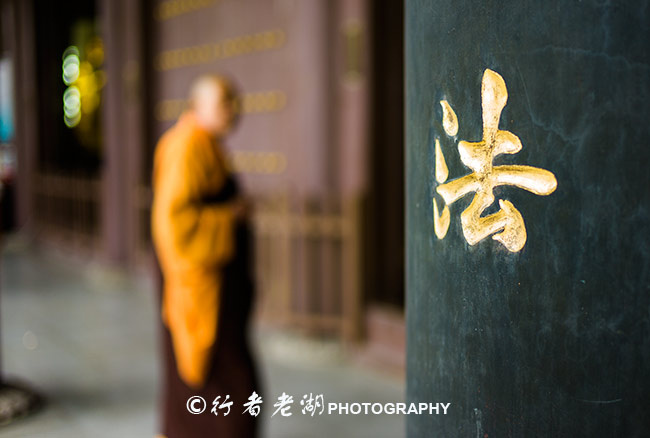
(211, 83)
(213, 99)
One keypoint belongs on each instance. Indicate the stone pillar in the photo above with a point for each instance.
(528, 217)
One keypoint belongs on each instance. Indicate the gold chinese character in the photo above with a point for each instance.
(507, 223)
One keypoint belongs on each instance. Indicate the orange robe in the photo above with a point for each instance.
(193, 240)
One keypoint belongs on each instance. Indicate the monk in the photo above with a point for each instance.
(201, 240)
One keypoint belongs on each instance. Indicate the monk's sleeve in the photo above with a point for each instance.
(194, 240)
(197, 233)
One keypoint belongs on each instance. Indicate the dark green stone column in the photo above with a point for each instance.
(550, 337)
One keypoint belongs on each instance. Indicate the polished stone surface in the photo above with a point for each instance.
(552, 340)
(85, 338)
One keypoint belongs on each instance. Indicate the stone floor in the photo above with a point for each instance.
(85, 337)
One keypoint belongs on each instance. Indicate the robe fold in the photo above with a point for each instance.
(192, 239)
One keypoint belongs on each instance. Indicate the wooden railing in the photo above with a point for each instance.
(308, 264)
(307, 253)
(67, 208)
